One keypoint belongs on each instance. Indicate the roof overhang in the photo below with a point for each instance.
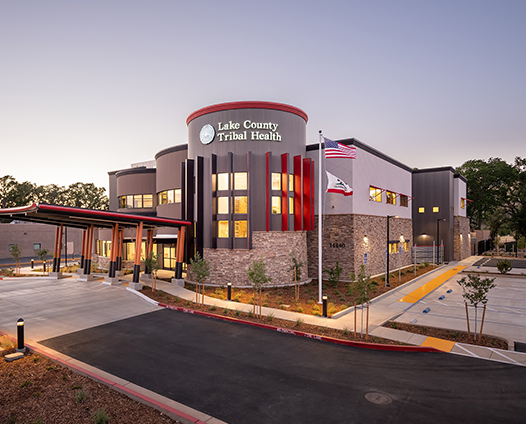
(83, 218)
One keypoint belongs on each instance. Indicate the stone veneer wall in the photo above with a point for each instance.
(103, 262)
(461, 245)
(343, 242)
(275, 247)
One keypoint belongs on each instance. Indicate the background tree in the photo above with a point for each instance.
(257, 275)
(152, 264)
(516, 198)
(83, 195)
(362, 286)
(42, 253)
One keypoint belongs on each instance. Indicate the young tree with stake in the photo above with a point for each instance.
(257, 275)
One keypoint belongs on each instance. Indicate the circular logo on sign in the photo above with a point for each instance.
(207, 134)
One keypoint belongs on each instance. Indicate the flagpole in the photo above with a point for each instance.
(320, 221)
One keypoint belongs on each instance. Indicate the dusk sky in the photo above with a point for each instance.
(88, 87)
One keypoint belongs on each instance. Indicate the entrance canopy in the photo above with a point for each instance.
(84, 218)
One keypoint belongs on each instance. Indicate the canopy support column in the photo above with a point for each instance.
(119, 252)
(179, 253)
(138, 246)
(89, 246)
(55, 249)
(114, 249)
(83, 253)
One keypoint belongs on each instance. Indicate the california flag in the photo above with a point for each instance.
(335, 185)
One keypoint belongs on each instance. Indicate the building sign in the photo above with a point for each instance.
(246, 130)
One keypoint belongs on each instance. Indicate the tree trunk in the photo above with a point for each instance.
(482, 323)
(467, 319)
(475, 332)
(354, 319)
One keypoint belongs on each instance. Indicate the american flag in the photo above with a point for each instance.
(333, 149)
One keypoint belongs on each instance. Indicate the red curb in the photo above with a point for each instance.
(111, 383)
(363, 345)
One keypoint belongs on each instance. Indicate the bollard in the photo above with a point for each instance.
(32, 263)
(324, 299)
(229, 291)
(20, 335)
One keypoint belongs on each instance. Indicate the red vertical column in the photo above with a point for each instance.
(297, 193)
(267, 191)
(307, 204)
(312, 195)
(284, 193)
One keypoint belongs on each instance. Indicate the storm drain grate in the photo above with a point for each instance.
(378, 398)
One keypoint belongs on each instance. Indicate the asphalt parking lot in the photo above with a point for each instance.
(243, 374)
(492, 262)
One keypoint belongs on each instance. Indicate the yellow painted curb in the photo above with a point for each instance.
(427, 288)
(440, 344)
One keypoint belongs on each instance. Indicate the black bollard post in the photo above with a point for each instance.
(20, 335)
(324, 298)
(32, 263)
(229, 291)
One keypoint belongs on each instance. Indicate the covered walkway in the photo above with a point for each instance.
(88, 220)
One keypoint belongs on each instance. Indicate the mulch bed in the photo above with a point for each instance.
(36, 390)
(340, 296)
(454, 336)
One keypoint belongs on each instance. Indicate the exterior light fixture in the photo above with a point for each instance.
(20, 335)
(324, 299)
(229, 290)
(365, 239)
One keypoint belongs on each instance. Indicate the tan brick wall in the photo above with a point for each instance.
(25, 234)
(343, 241)
(274, 246)
(461, 240)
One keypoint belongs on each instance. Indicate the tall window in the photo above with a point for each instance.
(291, 205)
(147, 200)
(240, 181)
(375, 194)
(240, 229)
(404, 200)
(222, 229)
(222, 181)
(291, 182)
(463, 203)
(276, 181)
(222, 205)
(390, 198)
(276, 204)
(129, 201)
(240, 204)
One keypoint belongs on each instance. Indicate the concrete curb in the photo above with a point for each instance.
(364, 345)
(112, 381)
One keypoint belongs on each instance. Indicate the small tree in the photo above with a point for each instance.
(42, 253)
(504, 266)
(153, 265)
(475, 291)
(362, 286)
(296, 274)
(201, 271)
(334, 274)
(257, 275)
(15, 253)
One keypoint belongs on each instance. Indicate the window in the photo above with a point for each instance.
(222, 181)
(37, 246)
(163, 198)
(375, 194)
(462, 203)
(291, 182)
(240, 229)
(129, 201)
(240, 181)
(147, 201)
(170, 196)
(393, 247)
(291, 205)
(11, 246)
(222, 204)
(122, 202)
(276, 181)
(421, 210)
(222, 229)
(406, 246)
(276, 204)
(240, 204)
(404, 200)
(137, 201)
(177, 195)
(390, 198)
(435, 208)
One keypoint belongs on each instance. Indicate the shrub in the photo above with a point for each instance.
(334, 274)
(81, 395)
(504, 266)
(100, 416)
(299, 321)
(300, 310)
(270, 316)
(426, 264)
